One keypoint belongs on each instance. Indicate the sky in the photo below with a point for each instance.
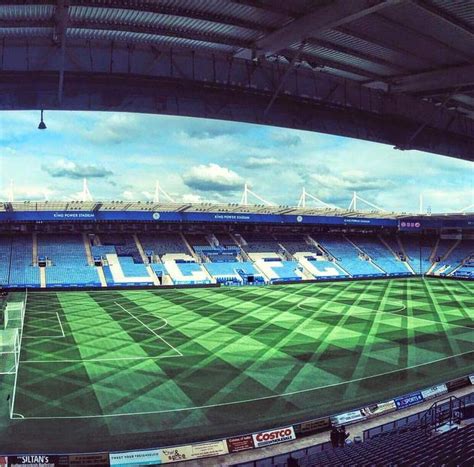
(123, 155)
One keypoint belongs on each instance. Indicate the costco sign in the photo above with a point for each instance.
(280, 435)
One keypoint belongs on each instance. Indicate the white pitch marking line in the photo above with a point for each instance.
(44, 337)
(151, 330)
(60, 324)
(223, 404)
(352, 314)
(101, 359)
(394, 312)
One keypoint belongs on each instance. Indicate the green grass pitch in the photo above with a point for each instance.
(109, 369)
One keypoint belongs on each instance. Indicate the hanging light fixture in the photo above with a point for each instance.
(42, 125)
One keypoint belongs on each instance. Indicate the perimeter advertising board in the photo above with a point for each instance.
(130, 458)
(458, 383)
(98, 459)
(348, 417)
(240, 443)
(377, 409)
(40, 460)
(471, 379)
(280, 435)
(408, 400)
(193, 451)
(434, 391)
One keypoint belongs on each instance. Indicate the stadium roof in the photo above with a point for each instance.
(399, 72)
(231, 208)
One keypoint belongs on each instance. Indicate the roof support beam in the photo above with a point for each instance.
(447, 78)
(445, 16)
(60, 33)
(335, 14)
(283, 79)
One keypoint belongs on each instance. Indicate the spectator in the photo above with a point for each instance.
(334, 437)
(343, 435)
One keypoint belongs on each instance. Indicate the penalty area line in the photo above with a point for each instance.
(244, 401)
(100, 359)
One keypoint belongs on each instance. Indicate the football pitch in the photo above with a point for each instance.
(113, 369)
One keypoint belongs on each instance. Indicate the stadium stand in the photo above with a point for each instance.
(379, 254)
(160, 244)
(124, 246)
(410, 447)
(441, 435)
(5, 258)
(187, 272)
(217, 254)
(127, 259)
(225, 239)
(452, 263)
(22, 271)
(197, 239)
(67, 261)
(418, 251)
(277, 271)
(297, 244)
(347, 255)
(260, 243)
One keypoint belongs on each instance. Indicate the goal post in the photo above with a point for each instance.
(9, 351)
(14, 315)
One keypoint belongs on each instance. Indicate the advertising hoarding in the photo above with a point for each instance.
(280, 435)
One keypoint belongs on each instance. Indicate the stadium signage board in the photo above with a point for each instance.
(434, 391)
(280, 435)
(471, 379)
(146, 457)
(379, 408)
(193, 451)
(172, 216)
(313, 426)
(408, 400)
(347, 417)
(38, 460)
(458, 383)
(240, 443)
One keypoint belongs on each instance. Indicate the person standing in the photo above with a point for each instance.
(343, 435)
(334, 437)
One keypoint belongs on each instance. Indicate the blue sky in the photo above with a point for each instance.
(123, 155)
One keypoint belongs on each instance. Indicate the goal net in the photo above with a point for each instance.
(14, 314)
(10, 336)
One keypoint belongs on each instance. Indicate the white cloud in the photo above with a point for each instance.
(212, 177)
(256, 162)
(69, 169)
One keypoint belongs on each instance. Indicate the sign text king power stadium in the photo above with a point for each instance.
(280, 435)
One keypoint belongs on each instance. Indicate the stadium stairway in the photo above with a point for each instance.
(87, 248)
(34, 249)
(42, 272)
(188, 246)
(402, 249)
(144, 258)
(395, 255)
(366, 253)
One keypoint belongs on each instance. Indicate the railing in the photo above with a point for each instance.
(402, 423)
(441, 412)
